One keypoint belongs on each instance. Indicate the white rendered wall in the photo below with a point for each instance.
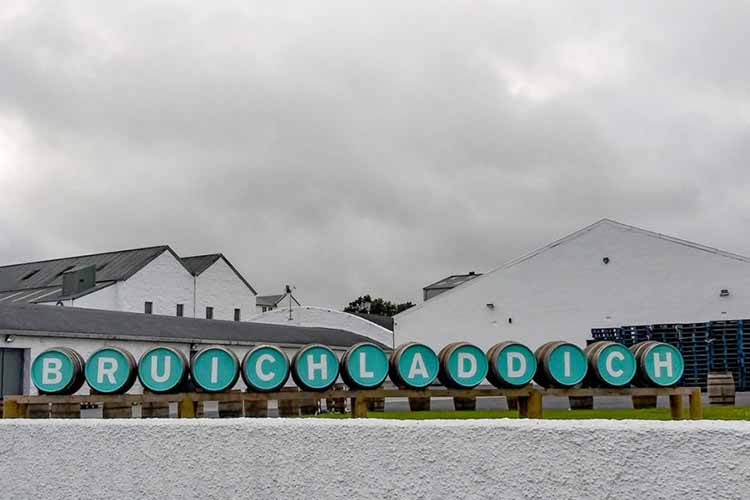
(316, 458)
(565, 291)
(220, 287)
(326, 318)
(86, 347)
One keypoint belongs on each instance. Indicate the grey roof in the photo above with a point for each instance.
(383, 321)
(110, 266)
(199, 263)
(452, 281)
(272, 300)
(71, 322)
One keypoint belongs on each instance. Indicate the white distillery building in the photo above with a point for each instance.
(322, 317)
(605, 275)
(153, 280)
(27, 330)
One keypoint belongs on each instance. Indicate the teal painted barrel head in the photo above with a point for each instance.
(54, 370)
(664, 364)
(110, 370)
(365, 366)
(516, 364)
(616, 365)
(162, 369)
(315, 367)
(215, 369)
(466, 365)
(417, 366)
(265, 368)
(567, 364)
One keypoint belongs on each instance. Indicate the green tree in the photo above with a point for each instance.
(367, 305)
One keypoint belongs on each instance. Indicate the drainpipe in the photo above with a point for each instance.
(195, 286)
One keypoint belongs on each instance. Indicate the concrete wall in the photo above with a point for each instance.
(219, 287)
(85, 347)
(326, 318)
(280, 458)
(564, 291)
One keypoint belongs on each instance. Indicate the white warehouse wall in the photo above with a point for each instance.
(326, 318)
(220, 287)
(361, 458)
(565, 290)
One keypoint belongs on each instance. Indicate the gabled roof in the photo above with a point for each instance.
(197, 264)
(110, 266)
(272, 300)
(570, 237)
(72, 322)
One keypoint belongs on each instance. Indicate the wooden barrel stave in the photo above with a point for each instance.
(721, 389)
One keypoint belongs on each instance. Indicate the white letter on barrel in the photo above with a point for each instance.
(608, 363)
(362, 368)
(659, 364)
(462, 358)
(214, 370)
(521, 364)
(155, 370)
(312, 366)
(51, 371)
(417, 367)
(264, 376)
(566, 363)
(106, 368)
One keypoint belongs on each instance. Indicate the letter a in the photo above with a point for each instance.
(418, 367)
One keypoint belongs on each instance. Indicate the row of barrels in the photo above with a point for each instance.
(266, 368)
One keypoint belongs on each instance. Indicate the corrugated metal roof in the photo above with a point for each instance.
(110, 266)
(199, 263)
(45, 320)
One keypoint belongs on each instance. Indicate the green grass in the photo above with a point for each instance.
(709, 413)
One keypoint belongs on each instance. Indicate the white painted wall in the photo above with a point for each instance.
(563, 292)
(360, 458)
(219, 287)
(86, 347)
(326, 318)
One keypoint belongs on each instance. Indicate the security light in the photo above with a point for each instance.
(10, 338)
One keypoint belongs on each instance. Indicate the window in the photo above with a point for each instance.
(148, 307)
(237, 314)
(180, 310)
(209, 313)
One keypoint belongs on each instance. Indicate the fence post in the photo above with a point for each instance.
(696, 407)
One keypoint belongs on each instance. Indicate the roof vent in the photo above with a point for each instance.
(78, 280)
(724, 293)
(472, 273)
(29, 275)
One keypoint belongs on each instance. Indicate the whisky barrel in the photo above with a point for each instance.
(510, 365)
(721, 390)
(462, 365)
(315, 368)
(58, 370)
(413, 366)
(561, 364)
(337, 405)
(658, 364)
(265, 368)
(215, 369)
(111, 370)
(364, 366)
(288, 407)
(163, 370)
(610, 364)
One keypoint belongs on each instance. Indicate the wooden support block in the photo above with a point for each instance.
(675, 406)
(534, 405)
(37, 410)
(256, 408)
(231, 409)
(359, 408)
(155, 409)
(117, 409)
(522, 403)
(65, 410)
(10, 409)
(696, 406)
(186, 409)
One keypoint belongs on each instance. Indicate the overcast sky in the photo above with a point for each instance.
(351, 147)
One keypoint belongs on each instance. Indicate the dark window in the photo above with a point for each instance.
(209, 313)
(180, 310)
(148, 307)
(236, 314)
